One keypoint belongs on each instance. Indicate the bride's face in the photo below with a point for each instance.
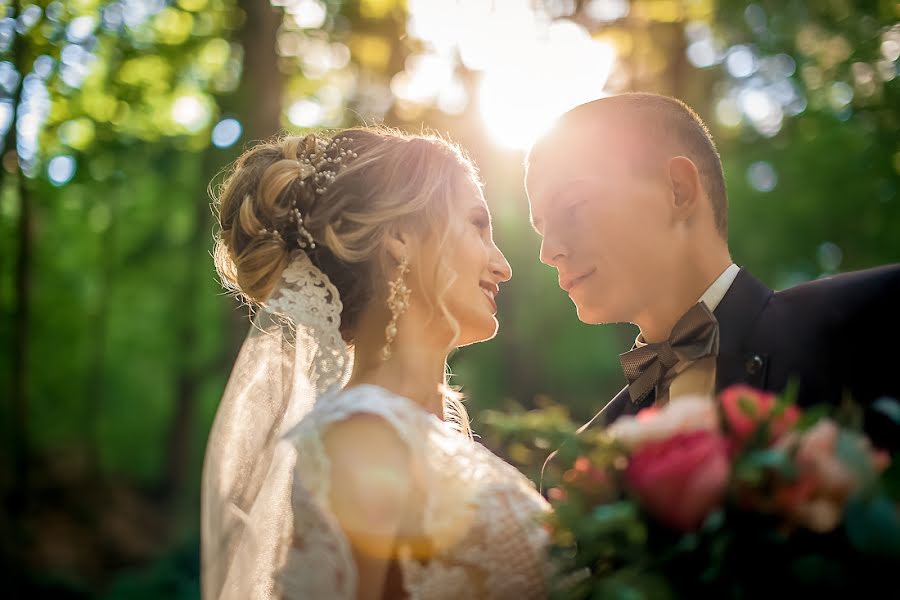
(478, 264)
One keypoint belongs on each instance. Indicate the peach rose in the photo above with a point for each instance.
(686, 414)
(556, 494)
(593, 482)
(816, 500)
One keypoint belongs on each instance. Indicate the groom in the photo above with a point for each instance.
(628, 195)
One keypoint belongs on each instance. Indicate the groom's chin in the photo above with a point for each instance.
(591, 316)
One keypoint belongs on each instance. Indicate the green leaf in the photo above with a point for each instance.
(811, 416)
(754, 465)
(888, 407)
(873, 526)
(852, 450)
(890, 480)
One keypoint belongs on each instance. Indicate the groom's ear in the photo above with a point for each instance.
(684, 179)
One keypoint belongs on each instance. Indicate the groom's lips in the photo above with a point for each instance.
(569, 284)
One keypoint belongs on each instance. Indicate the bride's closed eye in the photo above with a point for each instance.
(480, 219)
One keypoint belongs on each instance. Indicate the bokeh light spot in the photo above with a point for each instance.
(762, 176)
(226, 133)
(61, 170)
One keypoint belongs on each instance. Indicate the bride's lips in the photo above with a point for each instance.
(490, 290)
(571, 283)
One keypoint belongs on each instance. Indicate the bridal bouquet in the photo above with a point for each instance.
(735, 497)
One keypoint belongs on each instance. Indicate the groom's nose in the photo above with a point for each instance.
(552, 253)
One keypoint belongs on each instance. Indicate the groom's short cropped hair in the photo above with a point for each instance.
(669, 119)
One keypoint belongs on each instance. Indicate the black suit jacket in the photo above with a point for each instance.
(835, 336)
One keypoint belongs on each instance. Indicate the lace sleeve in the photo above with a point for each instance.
(477, 518)
(318, 561)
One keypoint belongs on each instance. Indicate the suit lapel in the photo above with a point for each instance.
(620, 405)
(738, 314)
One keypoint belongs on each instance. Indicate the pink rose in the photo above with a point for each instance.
(747, 408)
(680, 480)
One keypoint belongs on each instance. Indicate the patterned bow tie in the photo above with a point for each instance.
(695, 336)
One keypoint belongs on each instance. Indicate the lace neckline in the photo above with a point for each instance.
(382, 391)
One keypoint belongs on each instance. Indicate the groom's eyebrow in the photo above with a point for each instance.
(536, 222)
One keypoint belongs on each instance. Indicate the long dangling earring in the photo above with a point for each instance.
(398, 302)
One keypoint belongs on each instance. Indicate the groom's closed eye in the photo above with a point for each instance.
(572, 210)
(564, 203)
(567, 209)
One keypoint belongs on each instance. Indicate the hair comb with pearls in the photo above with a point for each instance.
(320, 159)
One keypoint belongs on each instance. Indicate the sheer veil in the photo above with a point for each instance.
(292, 354)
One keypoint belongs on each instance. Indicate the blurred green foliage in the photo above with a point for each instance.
(116, 341)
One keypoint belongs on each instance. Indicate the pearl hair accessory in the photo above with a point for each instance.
(322, 160)
(271, 232)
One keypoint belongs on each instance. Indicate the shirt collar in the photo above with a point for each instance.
(711, 297)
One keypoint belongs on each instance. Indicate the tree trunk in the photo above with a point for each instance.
(178, 448)
(18, 392)
(258, 101)
(262, 85)
(20, 321)
(95, 391)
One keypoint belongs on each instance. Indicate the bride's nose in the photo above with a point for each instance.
(500, 266)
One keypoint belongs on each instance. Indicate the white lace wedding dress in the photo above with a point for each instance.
(481, 516)
(267, 529)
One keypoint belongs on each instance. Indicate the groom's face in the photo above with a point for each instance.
(599, 203)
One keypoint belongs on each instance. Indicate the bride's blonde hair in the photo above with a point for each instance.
(395, 181)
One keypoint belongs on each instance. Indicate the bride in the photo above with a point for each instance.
(340, 463)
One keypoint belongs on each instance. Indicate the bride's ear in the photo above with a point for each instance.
(398, 246)
(684, 179)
